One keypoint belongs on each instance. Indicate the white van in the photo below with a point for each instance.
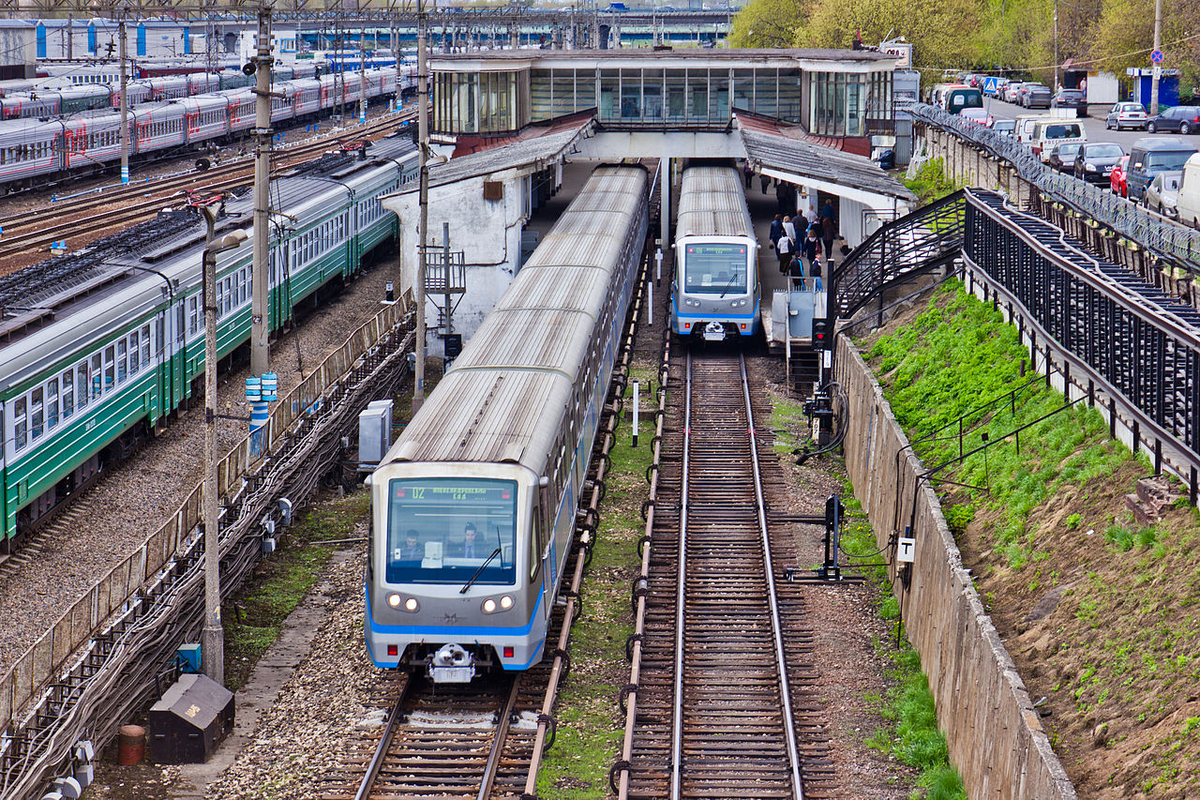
(1023, 131)
(1189, 192)
(1050, 132)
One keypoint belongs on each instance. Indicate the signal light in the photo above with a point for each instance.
(508, 652)
(393, 650)
(819, 334)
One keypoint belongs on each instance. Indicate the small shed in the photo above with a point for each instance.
(190, 720)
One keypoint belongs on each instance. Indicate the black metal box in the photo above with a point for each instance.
(190, 720)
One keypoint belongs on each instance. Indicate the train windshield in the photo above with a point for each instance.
(715, 269)
(444, 530)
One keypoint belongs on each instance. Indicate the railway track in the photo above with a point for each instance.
(725, 702)
(456, 742)
(78, 221)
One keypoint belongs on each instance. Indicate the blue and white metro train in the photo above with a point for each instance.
(715, 294)
(473, 507)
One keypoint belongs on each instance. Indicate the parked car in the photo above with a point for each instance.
(996, 88)
(1116, 179)
(1162, 195)
(1012, 92)
(1004, 127)
(1095, 161)
(1035, 95)
(1062, 156)
(1148, 157)
(1126, 115)
(1071, 98)
(1177, 119)
(1188, 199)
(1049, 132)
(977, 115)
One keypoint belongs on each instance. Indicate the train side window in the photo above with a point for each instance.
(52, 404)
(134, 364)
(110, 368)
(81, 384)
(193, 314)
(146, 345)
(68, 394)
(97, 381)
(20, 423)
(122, 361)
(37, 414)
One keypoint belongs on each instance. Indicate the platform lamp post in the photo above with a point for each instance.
(212, 642)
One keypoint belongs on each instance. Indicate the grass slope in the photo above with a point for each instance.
(1115, 642)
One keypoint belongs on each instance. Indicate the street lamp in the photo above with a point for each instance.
(212, 642)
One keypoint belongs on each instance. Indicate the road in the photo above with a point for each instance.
(1093, 125)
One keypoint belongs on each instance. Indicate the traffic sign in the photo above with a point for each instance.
(990, 84)
(1156, 56)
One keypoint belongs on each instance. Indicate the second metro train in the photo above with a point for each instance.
(715, 294)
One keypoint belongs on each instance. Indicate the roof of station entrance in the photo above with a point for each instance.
(787, 151)
(516, 59)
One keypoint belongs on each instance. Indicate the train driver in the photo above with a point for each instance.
(411, 551)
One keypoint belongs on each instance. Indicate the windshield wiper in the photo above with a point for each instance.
(486, 561)
(728, 286)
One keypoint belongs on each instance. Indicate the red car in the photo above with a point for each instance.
(1116, 178)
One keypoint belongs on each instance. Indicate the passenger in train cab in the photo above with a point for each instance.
(469, 549)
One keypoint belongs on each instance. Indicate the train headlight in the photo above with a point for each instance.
(741, 301)
(408, 604)
(411, 604)
(691, 302)
(394, 600)
(506, 602)
(492, 605)
(489, 606)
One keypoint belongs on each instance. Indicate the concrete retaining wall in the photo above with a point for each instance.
(995, 735)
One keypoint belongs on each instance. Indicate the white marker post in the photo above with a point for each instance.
(649, 302)
(658, 259)
(637, 393)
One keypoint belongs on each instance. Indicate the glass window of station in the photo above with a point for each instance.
(830, 103)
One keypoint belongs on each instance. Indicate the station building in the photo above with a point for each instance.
(505, 122)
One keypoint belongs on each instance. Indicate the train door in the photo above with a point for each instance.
(539, 567)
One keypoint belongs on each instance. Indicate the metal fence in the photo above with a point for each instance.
(40, 666)
(1165, 239)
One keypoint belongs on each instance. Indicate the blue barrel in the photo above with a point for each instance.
(259, 412)
(253, 389)
(270, 387)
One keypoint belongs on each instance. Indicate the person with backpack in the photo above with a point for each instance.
(783, 247)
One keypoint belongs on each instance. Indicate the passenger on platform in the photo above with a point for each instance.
(796, 271)
(781, 198)
(789, 230)
(765, 181)
(749, 173)
(776, 230)
(828, 231)
(783, 246)
(810, 248)
(815, 270)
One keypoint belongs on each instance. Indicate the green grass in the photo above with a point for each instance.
(253, 620)
(590, 723)
(931, 182)
(912, 735)
(956, 356)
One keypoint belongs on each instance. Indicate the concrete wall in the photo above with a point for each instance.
(487, 231)
(995, 735)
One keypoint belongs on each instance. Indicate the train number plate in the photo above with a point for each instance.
(451, 674)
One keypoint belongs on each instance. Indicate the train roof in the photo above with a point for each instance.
(712, 202)
(503, 397)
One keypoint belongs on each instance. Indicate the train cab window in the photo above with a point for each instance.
(68, 394)
(37, 414)
(52, 404)
(428, 539)
(715, 268)
(20, 423)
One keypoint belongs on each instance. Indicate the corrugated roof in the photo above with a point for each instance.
(787, 149)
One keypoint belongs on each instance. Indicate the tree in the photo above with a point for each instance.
(767, 23)
(941, 30)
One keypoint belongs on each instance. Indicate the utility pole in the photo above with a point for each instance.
(212, 642)
(259, 281)
(423, 202)
(1055, 89)
(124, 105)
(1157, 68)
(362, 78)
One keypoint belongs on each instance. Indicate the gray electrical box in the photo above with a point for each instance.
(374, 433)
